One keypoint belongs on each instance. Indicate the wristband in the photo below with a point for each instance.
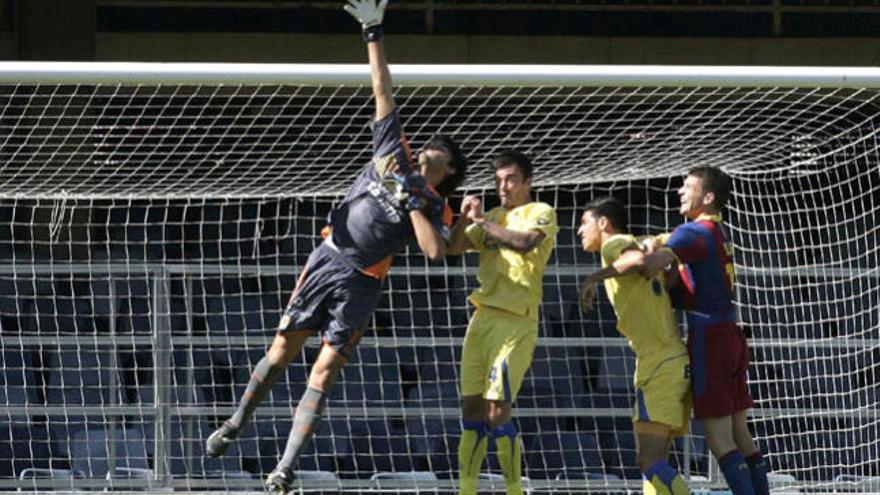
(373, 33)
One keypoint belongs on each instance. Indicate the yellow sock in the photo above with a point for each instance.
(663, 479)
(471, 452)
(509, 451)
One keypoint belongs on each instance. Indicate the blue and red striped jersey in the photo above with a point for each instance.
(706, 271)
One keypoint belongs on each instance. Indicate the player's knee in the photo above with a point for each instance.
(285, 346)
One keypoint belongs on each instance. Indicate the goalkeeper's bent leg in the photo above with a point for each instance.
(509, 453)
(305, 422)
(265, 375)
(471, 451)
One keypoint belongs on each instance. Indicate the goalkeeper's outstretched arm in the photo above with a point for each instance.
(370, 15)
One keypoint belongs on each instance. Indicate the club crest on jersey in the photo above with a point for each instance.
(388, 194)
(384, 164)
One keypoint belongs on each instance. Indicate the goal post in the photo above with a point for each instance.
(155, 217)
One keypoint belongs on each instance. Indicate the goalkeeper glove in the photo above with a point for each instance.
(369, 14)
(415, 193)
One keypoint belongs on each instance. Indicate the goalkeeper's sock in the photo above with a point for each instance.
(471, 452)
(758, 468)
(737, 473)
(263, 377)
(305, 422)
(663, 479)
(509, 453)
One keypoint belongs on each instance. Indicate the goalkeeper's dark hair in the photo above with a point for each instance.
(715, 181)
(505, 158)
(612, 209)
(457, 160)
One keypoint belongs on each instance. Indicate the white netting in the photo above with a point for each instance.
(152, 233)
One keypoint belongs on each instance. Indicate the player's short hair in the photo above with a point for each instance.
(458, 161)
(610, 208)
(506, 158)
(714, 181)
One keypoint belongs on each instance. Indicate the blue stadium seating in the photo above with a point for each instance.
(90, 450)
(18, 382)
(22, 446)
(616, 369)
(549, 452)
(378, 447)
(372, 377)
(618, 443)
(556, 379)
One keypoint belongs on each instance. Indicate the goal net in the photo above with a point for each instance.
(155, 217)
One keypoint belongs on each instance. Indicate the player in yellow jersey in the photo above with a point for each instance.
(644, 316)
(515, 241)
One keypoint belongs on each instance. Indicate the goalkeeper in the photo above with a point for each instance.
(644, 316)
(515, 241)
(392, 200)
(717, 345)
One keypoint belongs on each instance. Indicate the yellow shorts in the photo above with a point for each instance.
(663, 395)
(497, 352)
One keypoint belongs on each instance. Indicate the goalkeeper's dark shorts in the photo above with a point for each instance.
(333, 299)
(719, 367)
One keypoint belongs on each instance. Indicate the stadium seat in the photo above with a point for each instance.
(22, 446)
(556, 379)
(378, 447)
(438, 363)
(579, 474)
(18, 383)
(82, 376)
(315, 475)
(434, 394)
(398, 480)
(133, 305)
(90, 450)
(495, 481)
(48, 473)
(618, 444)
(372, 377)
(126, 473)
(235, 314)
(551, 451)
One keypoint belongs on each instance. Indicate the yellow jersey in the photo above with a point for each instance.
(644, 313)
(510, 280)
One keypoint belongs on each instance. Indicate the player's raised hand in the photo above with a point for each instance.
(367, 12)
(586, 295)
(472, 208)
(468, 203)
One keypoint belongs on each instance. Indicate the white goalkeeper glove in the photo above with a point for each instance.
(370, 15)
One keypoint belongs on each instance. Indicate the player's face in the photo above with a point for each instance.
(434, 165)
(692, 197)
(589, 232)
(513, 188)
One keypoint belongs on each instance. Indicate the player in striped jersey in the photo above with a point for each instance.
(717, 345)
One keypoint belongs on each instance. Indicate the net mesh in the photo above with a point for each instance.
(151, 235)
